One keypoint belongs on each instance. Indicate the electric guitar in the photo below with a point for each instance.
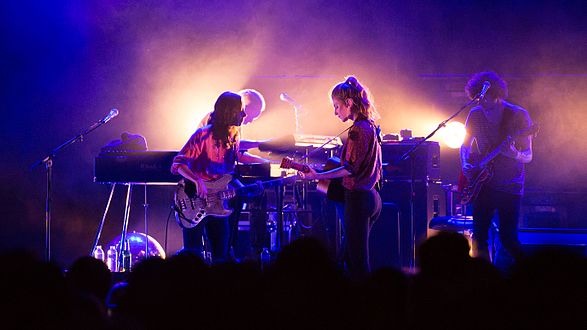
(191, 209)
(332, 188)
(470, 185)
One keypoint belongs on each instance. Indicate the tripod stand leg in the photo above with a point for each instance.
(146, 208)
(48, 200)
(101, 226)
(279, 211)
(125, 224)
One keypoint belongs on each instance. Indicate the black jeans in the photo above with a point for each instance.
(508, 209)
(361, 210)
(217, 231)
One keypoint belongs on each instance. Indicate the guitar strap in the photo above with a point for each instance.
(379, 136)
(379, 140)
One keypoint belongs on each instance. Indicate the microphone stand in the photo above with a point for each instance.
(409, 154)
(48, 161)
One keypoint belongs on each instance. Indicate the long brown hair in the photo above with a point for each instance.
(362, 104)
(226, 116)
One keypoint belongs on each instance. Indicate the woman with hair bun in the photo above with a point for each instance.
(360, 171)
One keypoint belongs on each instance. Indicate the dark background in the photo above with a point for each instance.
(65, 64)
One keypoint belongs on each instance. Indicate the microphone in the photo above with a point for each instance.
(113, 113)
(486, 85)
(286, 98)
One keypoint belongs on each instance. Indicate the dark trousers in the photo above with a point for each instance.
(217, 232)
(361, 210)
(508, 209)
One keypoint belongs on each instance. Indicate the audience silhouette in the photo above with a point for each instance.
(302, 288)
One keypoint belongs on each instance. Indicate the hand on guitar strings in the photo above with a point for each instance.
(311, 174)
(468, 170)
(508, 148)
(201, 189)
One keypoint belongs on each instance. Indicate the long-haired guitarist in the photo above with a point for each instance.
(490, 127)
(210, 153)
(360, 172)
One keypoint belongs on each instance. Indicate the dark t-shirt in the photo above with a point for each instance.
(508, 173)
(361, 155)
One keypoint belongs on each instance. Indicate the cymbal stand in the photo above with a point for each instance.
(101, 225)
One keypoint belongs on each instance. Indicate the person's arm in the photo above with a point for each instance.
(465, 153)
(338, 172)
(520, 149)
(521, 153)
(525, 154)
(185, 171)
(249, 144)
(248, 158)
(191, 150)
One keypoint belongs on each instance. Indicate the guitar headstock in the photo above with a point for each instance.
(288, 162)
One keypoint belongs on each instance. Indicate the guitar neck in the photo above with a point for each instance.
(299, 167)
(290, 163)
(256, 189)
(528, 131)
(487, 159)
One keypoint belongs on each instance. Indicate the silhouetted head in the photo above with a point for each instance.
(90, 275)
(444, 252)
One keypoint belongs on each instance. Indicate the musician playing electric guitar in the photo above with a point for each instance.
(209, 154)
(489, 126)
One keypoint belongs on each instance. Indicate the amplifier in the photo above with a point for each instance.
(425, 160)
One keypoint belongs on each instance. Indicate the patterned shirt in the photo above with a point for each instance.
(205, 156)
(361, 155)
(508, 173)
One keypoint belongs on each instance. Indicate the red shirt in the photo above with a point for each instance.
(361, 155)
(207, 157)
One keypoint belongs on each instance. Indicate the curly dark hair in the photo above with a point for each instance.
(227, 114)
(498, 89)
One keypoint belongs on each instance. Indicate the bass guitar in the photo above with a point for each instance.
(191, 209)
(470, 185)
(332, 188)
